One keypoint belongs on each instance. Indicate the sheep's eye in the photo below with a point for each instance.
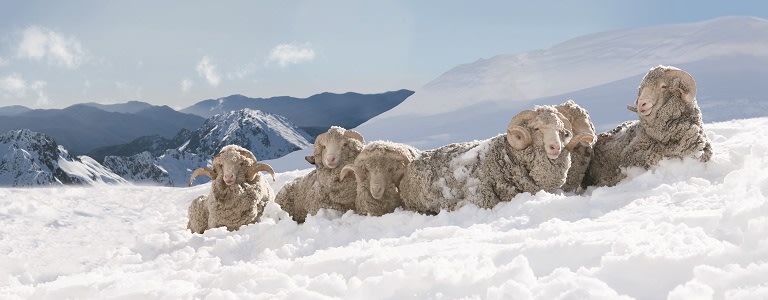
(567, 133)
(663, 86)
(536, 129)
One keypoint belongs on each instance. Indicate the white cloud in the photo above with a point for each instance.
(14, 86)
(40, 42)
(208, 70)
(186, 84)
(285, 54)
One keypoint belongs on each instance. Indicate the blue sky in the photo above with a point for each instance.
(57, 53)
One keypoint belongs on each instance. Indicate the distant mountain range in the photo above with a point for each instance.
(314, 114)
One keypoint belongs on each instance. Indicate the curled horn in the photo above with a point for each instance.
(255, 168)
(583, 132)
(202, 171)
(355, 135)
(518, 136)
(354, 169)
(683, 82)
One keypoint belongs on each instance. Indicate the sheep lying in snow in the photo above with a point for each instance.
(528, 158)
(670, 126)
(323, 187)
(238, 192)
(378, 171)
(581, 146)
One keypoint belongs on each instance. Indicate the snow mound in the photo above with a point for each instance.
(682, 230)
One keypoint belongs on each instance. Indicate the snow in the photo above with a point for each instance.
(683, 230)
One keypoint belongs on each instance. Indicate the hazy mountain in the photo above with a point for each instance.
(13, 110)
(30, 158)
(82, 127)
(314, 114)
(129, 107)
(600, 71)
(267, 135)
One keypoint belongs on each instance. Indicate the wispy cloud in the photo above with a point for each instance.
(3, 62)
(207, 70)
(14, 86)
(285, 54)
(38, 43)
(186, 84)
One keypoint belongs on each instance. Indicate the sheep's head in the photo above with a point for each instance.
(542, 127)
(380, 166)
(234, 165)
(583, 129)
(330, 145)
(660, 84)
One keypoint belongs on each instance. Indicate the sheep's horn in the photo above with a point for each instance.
(201, 171)
(687, 85)
(518, 136)
(256, 168)
(355, 135)
(320, 139)
(351, 168)
(585, 139)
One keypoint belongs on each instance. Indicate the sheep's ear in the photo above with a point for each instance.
(355, 135)
(359, 174)
(310, 159)
(259, 167)
(684, 83)
(518, 137)
(632, 108)
(202, 171)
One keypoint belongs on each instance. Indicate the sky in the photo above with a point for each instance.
(57, 53)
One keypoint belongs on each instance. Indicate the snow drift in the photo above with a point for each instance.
(682, 230)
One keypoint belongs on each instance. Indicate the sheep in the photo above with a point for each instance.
(670, 126)
(238, 191)
(378, 171)
(580, 146)
(528, 158)
(323, 187)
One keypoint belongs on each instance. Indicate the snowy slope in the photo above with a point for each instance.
(684, 230)
(30, 158)
(727, 55)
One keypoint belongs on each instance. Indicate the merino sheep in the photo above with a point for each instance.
(238, 191)
(580, 147)
(323, 187)
(670, 126)
(528, 158)
(378, 171)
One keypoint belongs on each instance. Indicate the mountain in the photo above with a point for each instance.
(13, 110)
(601, 71)
(30, 158)
(81, 127)
(314, 114)
(267, 135)
(129, 107)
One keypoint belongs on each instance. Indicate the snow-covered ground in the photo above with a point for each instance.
(684, 230)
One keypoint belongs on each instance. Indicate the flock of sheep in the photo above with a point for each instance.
(547, 148)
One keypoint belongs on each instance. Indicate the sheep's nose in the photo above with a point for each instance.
(229, 178)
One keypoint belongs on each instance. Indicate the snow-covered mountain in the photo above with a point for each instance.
(727, 56)
(314, 114)
(30, 158)
(267, 135)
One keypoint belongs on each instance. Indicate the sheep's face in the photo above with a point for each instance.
(381, 175)
(331, 145)
(231, 167)
(659, 85)
(551, 131)
(332, 151)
